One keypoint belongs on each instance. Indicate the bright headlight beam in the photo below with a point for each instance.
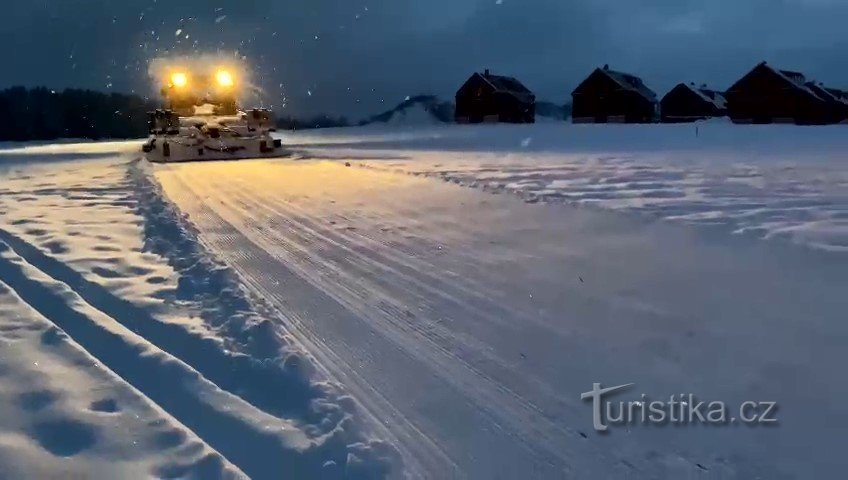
(179, 79)
(224, 78)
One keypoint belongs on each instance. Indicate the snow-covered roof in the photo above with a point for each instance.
(794, 76)
(629, 82)
(708, 95)
(503, 83)
(794, 79)
(832, 95)
(509, 85)
(838, 94)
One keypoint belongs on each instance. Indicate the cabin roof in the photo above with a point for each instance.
(503, 83)
(708, 95)
(828, 94)
(630, 82)
(792, 78)
(793, 75)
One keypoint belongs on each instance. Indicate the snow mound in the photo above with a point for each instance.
(414, 115)
(421, 110)
(550, 112)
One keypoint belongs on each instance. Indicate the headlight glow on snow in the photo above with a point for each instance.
(179, 79)
(224, 78)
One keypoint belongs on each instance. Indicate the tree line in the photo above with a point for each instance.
(44, 114)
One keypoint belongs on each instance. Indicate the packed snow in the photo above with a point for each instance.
(345, 313)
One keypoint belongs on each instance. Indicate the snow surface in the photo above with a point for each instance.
(469, 323)
(303, 318)
(781, 182)
(180, 374)
(62, 415)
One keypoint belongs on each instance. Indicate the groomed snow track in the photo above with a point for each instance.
(467, 324)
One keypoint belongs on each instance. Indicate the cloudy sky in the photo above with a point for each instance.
(356, 57)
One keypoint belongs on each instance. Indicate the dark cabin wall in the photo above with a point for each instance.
(599, 97)
(513, 110)
(594, 97)
(477, 101)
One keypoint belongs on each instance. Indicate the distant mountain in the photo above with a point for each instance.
(417, 110)
(552, 111)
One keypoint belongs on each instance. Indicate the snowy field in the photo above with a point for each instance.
(128, 352)
(767, 181)
(344, 313)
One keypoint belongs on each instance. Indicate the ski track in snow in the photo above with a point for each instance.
(92, 249)
(58, 404)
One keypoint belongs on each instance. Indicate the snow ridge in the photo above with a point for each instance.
(418, 110)
(248, 354)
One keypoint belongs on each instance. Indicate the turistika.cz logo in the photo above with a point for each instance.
(682, 409)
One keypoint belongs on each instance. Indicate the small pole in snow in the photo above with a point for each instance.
(697, 134)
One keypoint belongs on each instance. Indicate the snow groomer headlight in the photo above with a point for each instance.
(224, 79)
(179, 80)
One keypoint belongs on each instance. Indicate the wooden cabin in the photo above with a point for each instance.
(494, 98)
(769, 95)
(836, 100)
(609, 96)
(688, 103)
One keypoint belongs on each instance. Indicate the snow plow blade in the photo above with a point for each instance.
(211, 137)
(175, 149)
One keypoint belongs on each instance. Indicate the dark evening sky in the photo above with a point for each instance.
(356, 57)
